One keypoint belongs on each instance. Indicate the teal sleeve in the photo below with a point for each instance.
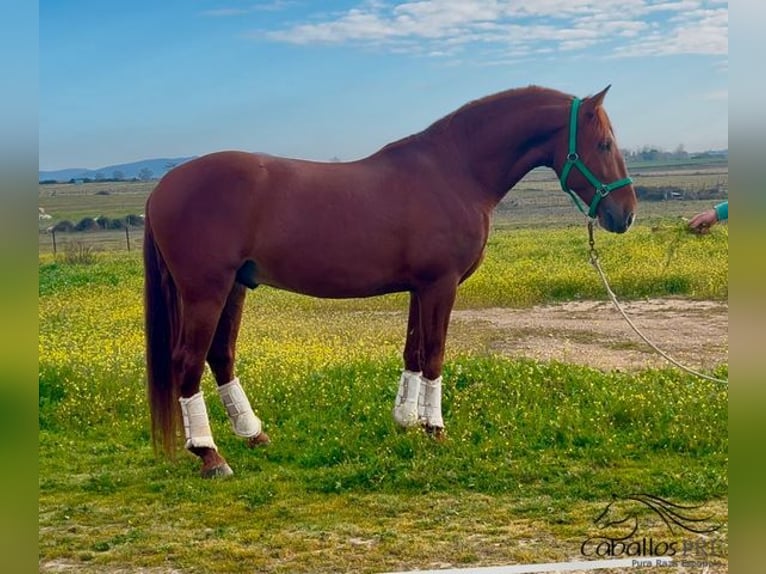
(722, 211)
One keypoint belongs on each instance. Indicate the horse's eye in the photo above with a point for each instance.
(605, 145)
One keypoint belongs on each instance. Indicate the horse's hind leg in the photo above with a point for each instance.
(221, 357)
(198, 323)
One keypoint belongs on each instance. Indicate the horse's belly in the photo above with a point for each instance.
(334, 287)
(331, 281)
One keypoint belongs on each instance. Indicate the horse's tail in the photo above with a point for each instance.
(161, 328)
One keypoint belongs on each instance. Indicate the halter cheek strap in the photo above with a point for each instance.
(574, 161)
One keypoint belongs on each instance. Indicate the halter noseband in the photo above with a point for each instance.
(573, 160)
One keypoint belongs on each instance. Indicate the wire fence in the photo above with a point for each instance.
(59, 242)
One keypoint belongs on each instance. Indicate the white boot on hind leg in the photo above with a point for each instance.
(406, 404)
(198, 435)
(430, 403)
(196, 423)
(243, 419)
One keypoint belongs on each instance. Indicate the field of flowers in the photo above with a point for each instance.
(534, 450)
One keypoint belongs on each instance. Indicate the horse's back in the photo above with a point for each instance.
(216, 176)
(294, 220)
(326, 229)
(230, 188)
(207, 175)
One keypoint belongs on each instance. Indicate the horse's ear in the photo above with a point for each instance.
(594, 102)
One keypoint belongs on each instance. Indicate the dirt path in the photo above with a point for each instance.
(593, 333)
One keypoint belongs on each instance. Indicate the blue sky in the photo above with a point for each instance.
(126, 81)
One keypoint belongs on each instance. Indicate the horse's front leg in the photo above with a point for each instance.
(430, 310)
(435, 307)
(407, 406)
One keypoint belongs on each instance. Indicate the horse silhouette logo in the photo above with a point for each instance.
(620, 519)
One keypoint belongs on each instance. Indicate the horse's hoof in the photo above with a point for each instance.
(405, 418)
(220, 471)
(436, 433)
(261, 439)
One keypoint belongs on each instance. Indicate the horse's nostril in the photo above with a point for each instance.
(630, 219)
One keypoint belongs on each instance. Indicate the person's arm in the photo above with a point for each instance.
(702, 222)
(722, 211)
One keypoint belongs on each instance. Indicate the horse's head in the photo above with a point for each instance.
(591, 167)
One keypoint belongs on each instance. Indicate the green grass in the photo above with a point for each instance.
(534, 450)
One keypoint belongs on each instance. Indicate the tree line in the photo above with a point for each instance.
(100, 223)
(144, 174)
(654, 153)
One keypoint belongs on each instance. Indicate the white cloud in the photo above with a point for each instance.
(438, 27)
(697, 32)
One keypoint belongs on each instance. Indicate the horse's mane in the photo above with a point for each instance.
(528, 91)
(602, 123)
(505, 98)
(443, 123)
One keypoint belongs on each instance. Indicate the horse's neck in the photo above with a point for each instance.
(500, 145)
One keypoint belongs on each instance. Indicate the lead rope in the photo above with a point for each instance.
(594, 261)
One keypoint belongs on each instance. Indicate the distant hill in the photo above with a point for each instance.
(157, 166)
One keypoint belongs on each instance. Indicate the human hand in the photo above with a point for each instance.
(702, 222)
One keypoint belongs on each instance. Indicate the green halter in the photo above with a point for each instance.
(573, 160)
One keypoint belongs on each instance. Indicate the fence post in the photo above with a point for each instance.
(53, 234)
(127, 237)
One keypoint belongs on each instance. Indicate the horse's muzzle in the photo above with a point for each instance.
(616, 222)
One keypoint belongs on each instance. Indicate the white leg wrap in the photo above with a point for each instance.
(196, 423)
(243, 419)
(431, 399)
(422, 402)
(406, 404)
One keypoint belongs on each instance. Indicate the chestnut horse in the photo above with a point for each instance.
(413, 217)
